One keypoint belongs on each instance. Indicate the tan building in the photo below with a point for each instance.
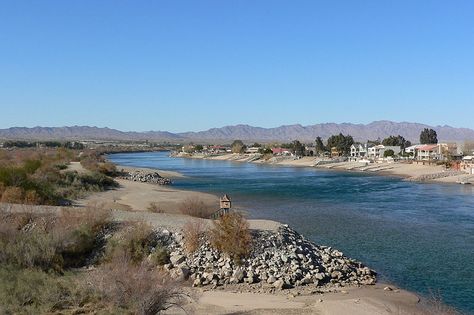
(225, 202)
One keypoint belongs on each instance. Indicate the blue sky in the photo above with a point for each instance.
(192, 65)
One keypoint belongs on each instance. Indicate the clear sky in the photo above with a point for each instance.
(192, 65)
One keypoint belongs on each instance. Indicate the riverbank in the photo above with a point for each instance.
(357, 300)
(408, 171)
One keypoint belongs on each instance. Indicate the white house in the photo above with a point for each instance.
(358, 150)
(412, 149)
(438, 151)
(427, 152)
(252, 150)
(467, 164)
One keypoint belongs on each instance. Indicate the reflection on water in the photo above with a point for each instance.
(419, 236)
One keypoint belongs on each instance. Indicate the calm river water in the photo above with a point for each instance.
(417, 236)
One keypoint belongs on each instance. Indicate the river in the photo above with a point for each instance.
(417, 236)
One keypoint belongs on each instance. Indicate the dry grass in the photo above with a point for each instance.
(139, 288)
(47, 241)
(192, 235)
(12, 195)
(153, 207)
(34, 176)
(195, 207)
(33, 246)
(137, 241)
(231, 235)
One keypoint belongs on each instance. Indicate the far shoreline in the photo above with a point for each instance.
(417, 173)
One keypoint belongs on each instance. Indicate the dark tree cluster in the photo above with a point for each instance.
(428, 136)
(238, 146)
(296, 147)
(341, 143)
(396, 141)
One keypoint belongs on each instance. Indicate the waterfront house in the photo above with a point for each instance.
(411, 150)
(427, 152)
(439, 151)
(252, 150)
(378, 151)
(310, 151)
(281, 151)
(335, 152)
(467, 164)
(216, 149)
(358, 150)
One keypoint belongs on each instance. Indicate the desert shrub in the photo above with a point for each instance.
(73, 185)
(195, 207)
(2, 189)
(13, 195)
(13, 176)
(192, 235)
(50, 242)
(230, 234)
(136, 241)
(31, 249)
(79, 232)
(160, 256)
(38, 173)
(19, 179)
(97, 179)
(95, 162)
(30, 166)
(153, 207)
(32, 198)
(31, 291)
(138, 288)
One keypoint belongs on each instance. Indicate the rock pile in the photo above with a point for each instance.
(433, 176)
(281, 259)
(146, 177)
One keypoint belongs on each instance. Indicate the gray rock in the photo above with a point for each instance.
(279, 284)
(177, 259)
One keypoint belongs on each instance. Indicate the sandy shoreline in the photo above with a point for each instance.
(130, 202)
(413, 172)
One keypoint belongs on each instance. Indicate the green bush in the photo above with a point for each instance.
(134, 241)
(31, 291)
(231, 235)
(160, 256)
(50, 243)
(31, 249)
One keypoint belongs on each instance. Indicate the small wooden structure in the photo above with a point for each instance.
(225, 204)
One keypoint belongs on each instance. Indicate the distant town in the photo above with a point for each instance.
(342, 148)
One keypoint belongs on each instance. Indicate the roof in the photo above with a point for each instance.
(428, 147)
(225, 198)
(279, 150)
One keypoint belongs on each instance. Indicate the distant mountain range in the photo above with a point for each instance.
(360, 132)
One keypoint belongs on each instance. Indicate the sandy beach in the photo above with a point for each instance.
(409, 171)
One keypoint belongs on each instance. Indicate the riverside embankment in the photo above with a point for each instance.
(402, 229)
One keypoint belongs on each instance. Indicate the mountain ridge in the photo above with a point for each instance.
(360, 132)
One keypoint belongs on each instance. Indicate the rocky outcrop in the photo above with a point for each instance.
(433, 176)
(146, 177)
(281, 259)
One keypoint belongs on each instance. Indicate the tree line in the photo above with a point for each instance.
(340, 143)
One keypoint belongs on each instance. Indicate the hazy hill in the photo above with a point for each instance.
(360, 132)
